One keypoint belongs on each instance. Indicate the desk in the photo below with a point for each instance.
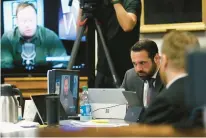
(133, 130)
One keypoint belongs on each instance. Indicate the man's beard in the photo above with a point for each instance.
(150, 73)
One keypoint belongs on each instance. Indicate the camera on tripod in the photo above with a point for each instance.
(89, 11)
(92, 5)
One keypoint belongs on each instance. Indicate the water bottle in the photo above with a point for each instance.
(85, 107)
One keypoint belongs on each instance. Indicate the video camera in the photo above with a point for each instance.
(92, 5)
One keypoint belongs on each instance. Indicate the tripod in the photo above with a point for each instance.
(83, 22)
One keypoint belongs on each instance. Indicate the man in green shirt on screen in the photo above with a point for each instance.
(30, 45)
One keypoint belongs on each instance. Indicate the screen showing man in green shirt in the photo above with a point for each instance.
(30, 45)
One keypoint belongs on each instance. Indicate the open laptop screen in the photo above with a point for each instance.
(40, 103)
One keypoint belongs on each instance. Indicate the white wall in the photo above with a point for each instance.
(157, 37)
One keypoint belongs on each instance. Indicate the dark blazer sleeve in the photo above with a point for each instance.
(124, 81)
(157, 112)
(161, 111)
(132, 82)
(168, 107)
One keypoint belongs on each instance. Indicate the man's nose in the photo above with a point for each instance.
(27, 23)
(138, 68)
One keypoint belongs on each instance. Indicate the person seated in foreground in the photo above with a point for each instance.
(169, 106)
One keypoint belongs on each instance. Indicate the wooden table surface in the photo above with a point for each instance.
(136, 130)
(125, 131)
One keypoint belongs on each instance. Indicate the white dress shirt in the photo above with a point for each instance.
(146, 89)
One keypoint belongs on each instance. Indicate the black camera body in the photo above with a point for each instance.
(90, 6)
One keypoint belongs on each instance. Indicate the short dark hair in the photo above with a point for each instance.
(23, 5)
(148, 45)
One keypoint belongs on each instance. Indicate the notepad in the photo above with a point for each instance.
(91, 123)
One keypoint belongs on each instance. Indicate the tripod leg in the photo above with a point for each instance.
(76, 46)
(114, 75)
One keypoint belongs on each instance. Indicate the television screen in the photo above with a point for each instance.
(68, 14)
(29, 53)
(9, 13)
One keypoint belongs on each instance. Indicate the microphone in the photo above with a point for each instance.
(28, 55)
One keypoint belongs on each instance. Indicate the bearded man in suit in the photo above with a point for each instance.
(169, 106)
(144, 78)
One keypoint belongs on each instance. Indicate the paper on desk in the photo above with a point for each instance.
(94, 124)
(27, 124)
(6, 127)
(29, 110)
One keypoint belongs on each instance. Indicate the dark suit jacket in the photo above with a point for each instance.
(132, 82)
(168, 107)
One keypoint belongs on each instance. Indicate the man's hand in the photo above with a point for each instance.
(80, 22)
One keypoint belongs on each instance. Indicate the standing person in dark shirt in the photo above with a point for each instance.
(120, 24)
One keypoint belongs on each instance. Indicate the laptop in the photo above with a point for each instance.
(40, 104)
(134, 110)
(107, 103)
(131, 98)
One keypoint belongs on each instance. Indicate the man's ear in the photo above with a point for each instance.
(164, 61)
(157, 58)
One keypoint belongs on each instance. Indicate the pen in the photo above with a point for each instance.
(100, 121)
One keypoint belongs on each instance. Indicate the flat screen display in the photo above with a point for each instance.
(45, 8)
(67, 86)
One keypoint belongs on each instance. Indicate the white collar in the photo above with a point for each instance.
(155, 75)
(176, 78)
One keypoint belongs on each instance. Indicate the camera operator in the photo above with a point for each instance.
(120, 24)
